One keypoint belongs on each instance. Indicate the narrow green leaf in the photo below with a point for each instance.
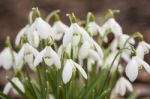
(4, 96)
(134, 95)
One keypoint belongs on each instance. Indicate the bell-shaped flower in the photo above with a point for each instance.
(108, 61)
(69, 66)
(120, 41)
(122, 86)
(94, 28)
(142, 49)
(59, 30)
(86, 51)
(112, 25)
(33, 38)
(49, 56)
(74, 35)
(21, 34)
(43, 29)
(27, 54)
(133, 66)
(8, 58)
(9, 86)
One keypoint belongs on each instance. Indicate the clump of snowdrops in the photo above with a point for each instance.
(73, 62)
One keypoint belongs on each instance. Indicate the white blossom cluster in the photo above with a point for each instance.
(76, 44)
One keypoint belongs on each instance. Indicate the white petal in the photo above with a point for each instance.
(39, 57)
(32, 50)
(33, 39)
(67, 38)
(6, 58)
(132, 70)
(67, 72)
(55, 59)
(114, 44)
(18, 84)
(7, 88)
(128, 85)
(144, 64)
(84, 51)
(21, 33)
(81, 70)
(122, 88)
(21, 56)
(94, 55)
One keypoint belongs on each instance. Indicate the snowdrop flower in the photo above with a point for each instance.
(21, 34)
(49, 56)
(68, 69)
(17, 82)
(33, 38)
(93, 28)
(120, 40)
(7, 59)
(122, 86)
(133, 66)
(75, 34)
(113, 25)
(59, 29)
(142, 49)
(85, 52)
(43, 29)
(27, 53)
(67, 50)
(108, 61)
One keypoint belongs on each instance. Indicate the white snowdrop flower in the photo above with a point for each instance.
(120, 40)
(69, 66)
(33, 38)
(122, 86)
(27, 53)
(123, 38)
(49, 56)
(113, 26)
(90, 63)
(133, 66)
(108, 61)
(75, 34)
(142, 49)
(94, 28)
(43, 29)
(126, 55)
(59, 30)
(9, 86)
(7, 59)
(67, 50)
(86, 51)
(21, 34)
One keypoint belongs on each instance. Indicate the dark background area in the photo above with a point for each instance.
(134, 16)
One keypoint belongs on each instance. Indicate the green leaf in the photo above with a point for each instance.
(104, 94)
(134, 95)
(98, 81)
(18, 90)
(4, 96)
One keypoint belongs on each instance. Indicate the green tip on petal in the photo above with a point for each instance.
(72, 18)
(139, 36)
(90, 17)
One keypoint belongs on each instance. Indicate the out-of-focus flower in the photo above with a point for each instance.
(94, 28)
(33, 38)
(142, 49)
(23, 32)
(122, 86)
(86, 51)
(49, 56)
(113, 26)
(27, 53)
(43, 29)
(9, 86)
(8, 59)
(70, 65)
(75, 34)
(59, 30)
(133, 66)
